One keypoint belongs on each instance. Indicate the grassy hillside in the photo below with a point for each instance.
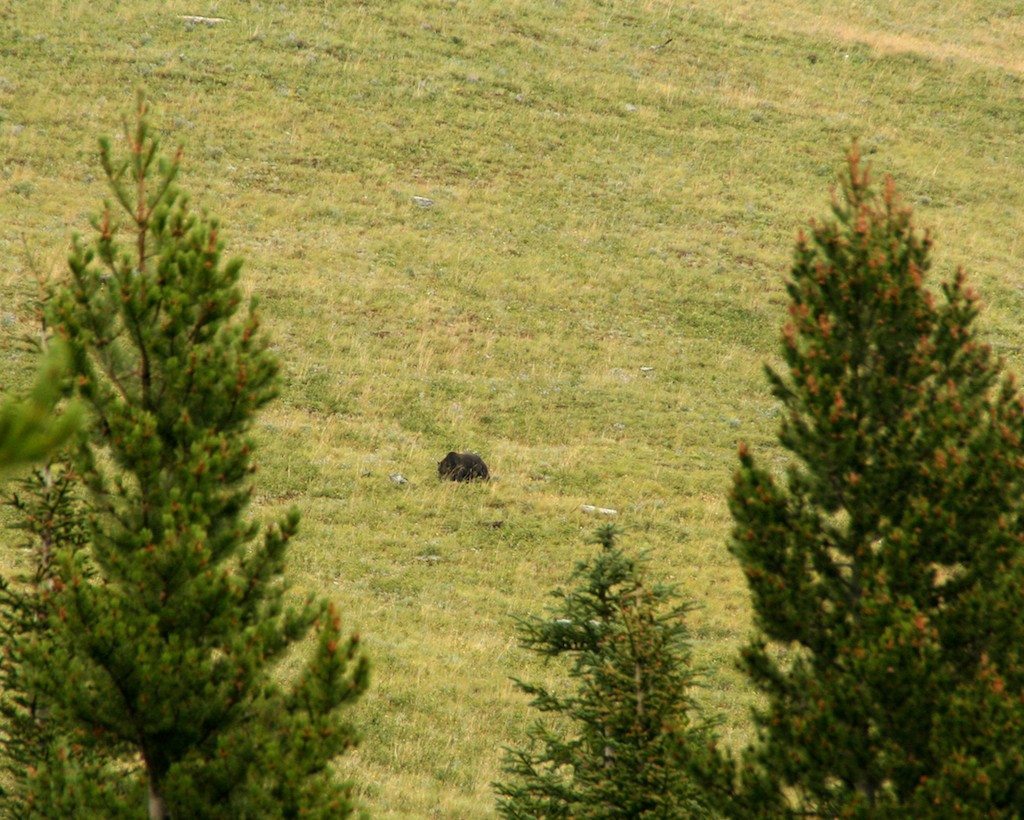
(554, 232)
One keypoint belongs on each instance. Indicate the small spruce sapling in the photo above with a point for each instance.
(50, 518)
(48, 515)
(617, 743)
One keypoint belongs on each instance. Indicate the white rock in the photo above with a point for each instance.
(193, 19)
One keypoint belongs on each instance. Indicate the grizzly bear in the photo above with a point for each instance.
(462, 467)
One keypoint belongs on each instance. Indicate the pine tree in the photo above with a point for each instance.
(165, 635)
(886, 571)
(620, 739)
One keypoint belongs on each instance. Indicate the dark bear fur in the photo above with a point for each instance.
(462, 467)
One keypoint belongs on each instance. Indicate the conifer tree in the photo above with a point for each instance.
(620, 736)
(51, 518)
(31, 429)
(164, 634)
(885, 570)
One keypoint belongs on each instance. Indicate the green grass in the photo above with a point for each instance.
(588, 303)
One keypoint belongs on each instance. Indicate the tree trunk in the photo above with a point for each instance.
(157, 808)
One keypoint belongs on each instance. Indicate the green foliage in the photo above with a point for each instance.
(31, 429)
(887, 567)
(164, 636)
(617, 745)
(50, 518)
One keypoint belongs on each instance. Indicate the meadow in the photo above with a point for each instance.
(553, 232)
